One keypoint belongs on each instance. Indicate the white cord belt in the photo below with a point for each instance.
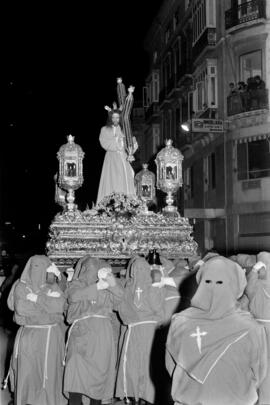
(130, 326)
(73, 324)
(262, 320)
(45, 373)
(49, 327)
(173, 297)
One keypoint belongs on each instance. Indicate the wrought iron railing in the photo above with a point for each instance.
(242, 13)
(253, 174)
(256, 99)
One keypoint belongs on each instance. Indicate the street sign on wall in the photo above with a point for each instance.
(206, 125)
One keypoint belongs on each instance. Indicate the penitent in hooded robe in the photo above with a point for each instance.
(244, 260)
(258, 292)
(90, 361)
(179, 272)
(117, 175)
(141, 309)
(36, 369)
(216, 354)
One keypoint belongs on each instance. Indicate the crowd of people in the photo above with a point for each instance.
(248, 95)
(146, 337)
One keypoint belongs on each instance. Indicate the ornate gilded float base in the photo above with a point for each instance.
(116, 238)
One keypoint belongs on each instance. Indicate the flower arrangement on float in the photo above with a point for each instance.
(119, 204)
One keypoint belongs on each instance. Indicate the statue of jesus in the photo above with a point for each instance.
(117, 174)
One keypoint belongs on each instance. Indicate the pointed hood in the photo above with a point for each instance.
(140, 272)
(259, 295)
(139, 279)
(244, 260)
(86, 269)
(202, 335)
(129, 267)
(221, 282)
(34, 273)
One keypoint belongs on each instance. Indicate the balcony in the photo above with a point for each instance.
(207, 39)
(256, 99)
(245, 12)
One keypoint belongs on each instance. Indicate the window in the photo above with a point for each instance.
(145, 96)
(176, 19)
(149, 94)
(205, 84)
(209, 169)
(200, 95)
(155, 87)
(177, 54)
(251, 65)
(190, 105)
(212, 86)
(203, 16)
(247, 10)
(253, 159)
(167, 70)
(151, 90)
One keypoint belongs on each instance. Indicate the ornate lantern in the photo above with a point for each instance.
(169, 173)
(145, 185)
(70, 178)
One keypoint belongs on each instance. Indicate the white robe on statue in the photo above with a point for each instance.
(117, 174)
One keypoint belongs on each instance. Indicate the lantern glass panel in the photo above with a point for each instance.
(71, 169)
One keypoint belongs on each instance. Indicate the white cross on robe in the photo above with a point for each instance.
(138, 292)
(198, 335)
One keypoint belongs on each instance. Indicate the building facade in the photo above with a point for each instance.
(211, 69)
(138, 129)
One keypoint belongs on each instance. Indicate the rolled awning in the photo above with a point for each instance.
(252, 138)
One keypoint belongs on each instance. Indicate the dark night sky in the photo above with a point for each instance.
(61, 65)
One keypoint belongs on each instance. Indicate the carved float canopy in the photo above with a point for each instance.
(116, 234)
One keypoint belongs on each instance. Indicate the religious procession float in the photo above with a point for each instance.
(120, 225)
